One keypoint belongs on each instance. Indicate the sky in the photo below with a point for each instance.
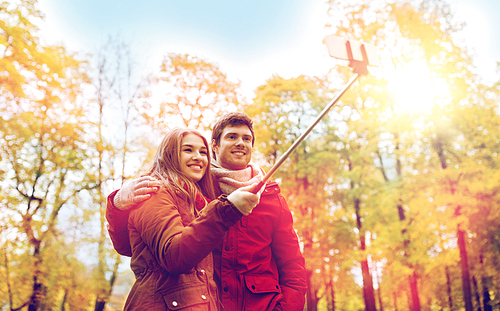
(250, 40)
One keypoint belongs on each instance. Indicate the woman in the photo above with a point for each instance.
(173, 233)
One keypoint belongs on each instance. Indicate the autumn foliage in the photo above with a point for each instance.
(395, 206)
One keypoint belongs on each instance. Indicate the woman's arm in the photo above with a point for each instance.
(178, 248)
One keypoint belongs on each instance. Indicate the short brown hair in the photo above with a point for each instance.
(231, 119)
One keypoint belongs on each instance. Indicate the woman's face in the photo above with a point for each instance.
(193, 157)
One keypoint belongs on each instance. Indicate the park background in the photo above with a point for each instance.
(394, 194)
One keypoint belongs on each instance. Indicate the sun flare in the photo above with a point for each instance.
(414, 87)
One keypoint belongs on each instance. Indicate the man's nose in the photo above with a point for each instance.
(239, 141)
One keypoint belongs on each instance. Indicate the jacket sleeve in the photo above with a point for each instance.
(289, 260)
(176, 247)
(117, 227)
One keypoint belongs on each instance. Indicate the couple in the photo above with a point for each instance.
(183, 215)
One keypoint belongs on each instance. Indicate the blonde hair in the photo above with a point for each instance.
(166, 167)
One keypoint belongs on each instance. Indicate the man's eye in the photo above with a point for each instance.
(247, 138)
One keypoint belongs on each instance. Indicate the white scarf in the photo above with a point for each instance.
(230, 180)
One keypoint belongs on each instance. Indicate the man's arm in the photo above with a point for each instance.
(117, 227)
(118, 208)
(290, 262)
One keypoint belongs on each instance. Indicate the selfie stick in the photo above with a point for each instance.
(359, 68)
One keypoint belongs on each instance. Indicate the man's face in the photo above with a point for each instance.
(235, 148)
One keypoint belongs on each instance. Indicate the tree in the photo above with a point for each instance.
(359, 141)
(44, 151)
(116, 87)
(416, 30)
(104, 84)
(197, 92)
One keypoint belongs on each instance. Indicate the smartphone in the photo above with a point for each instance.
(351, 50)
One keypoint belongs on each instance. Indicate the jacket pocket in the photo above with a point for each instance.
(191, 298)
(263, 292)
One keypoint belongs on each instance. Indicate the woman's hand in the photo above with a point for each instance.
(135, 191)
(244, 199)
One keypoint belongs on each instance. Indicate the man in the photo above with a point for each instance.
(258, 266)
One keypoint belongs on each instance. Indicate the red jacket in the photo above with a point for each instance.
(259, 265)
(172, 252)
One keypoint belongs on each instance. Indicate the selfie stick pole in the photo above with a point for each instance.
(357, 55)
(301, 138)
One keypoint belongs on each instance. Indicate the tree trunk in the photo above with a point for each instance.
(36, 295)
(99, 305)
(408, 299)
(65, 298)
(476, 294)
(330, 292)
(332, 296)
(465, 270)
(380, 304)
(311, 300)
(448, 287)
(485, 284)
(412, 279)
(415, 300)
(460, 235)
(395, 300)
(368, 292)
(486, 295)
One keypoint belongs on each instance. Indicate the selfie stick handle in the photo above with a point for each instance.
(301, 138)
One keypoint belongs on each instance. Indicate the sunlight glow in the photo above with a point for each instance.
(415, 89)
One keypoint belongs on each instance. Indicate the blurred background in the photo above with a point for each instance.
(394, 194)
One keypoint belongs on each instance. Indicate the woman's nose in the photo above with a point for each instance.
(197, 156)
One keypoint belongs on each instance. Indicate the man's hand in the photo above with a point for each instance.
(244, 199)
(135, 191)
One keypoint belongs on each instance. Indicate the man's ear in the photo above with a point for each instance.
(215, 148)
